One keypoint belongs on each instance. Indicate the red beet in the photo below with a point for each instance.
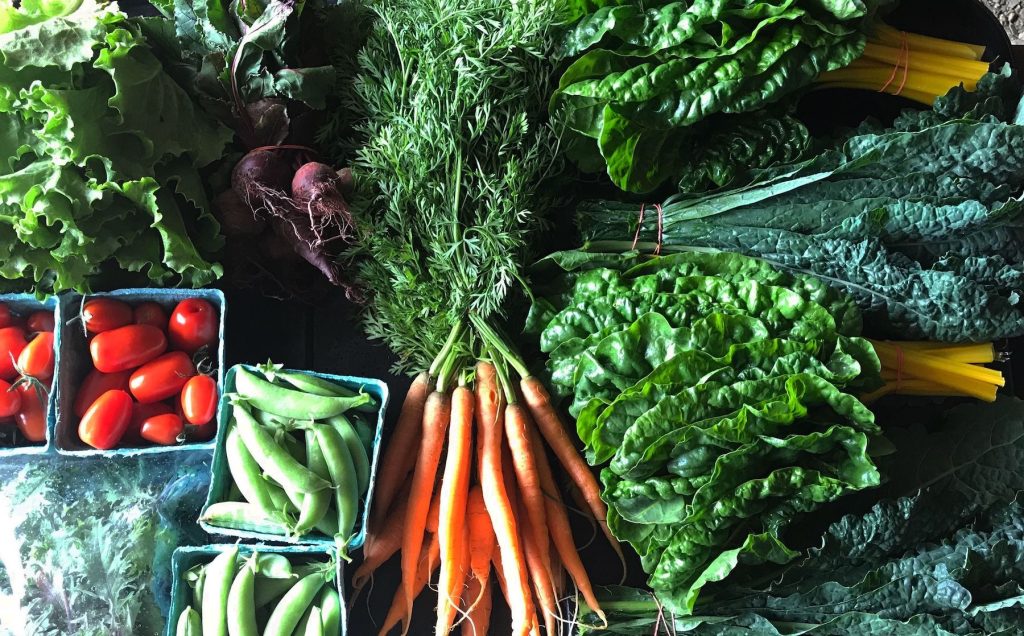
(259, 171)
(235, 216)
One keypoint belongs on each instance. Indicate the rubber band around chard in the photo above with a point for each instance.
(903, 59)
(640, 226)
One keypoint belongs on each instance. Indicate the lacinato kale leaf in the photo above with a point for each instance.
(921, 224)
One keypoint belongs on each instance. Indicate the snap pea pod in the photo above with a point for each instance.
(287, 501)
(189, 623)
(315, 626)
(197, 585)
(219, 575)
(268, 590)
(330, 610)
(314, 384)
(300, 629)
(285, 402)
(241, 607)
(329, 524)
(365, 432)
(245, 516)
(296, 448)
(343, 476)
(314, 505)
(273, 459)
(271, 421)
(355, 449)
(293, 605)
(246, 472)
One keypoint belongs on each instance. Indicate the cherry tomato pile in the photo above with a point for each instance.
(144, 386)
(26, 373)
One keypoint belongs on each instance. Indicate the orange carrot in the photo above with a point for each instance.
(436, 414)
(496, 500)
(481, 539)
(500, 571)
(477, 605)
(518, 429)
(541, 581)
(561, 533)
(434, 513)
(400, 455)
(553, 429)
(428, 556)
(462, 574)
(386, 542)
(490, 401)
(452, 520)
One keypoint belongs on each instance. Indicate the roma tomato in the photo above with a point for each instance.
(163, 429)
(161, 378)
(199, 399)
(31, 418)
(104, 424)
(141, 413)
(150, 313)
(104, 314)
(12, 343)
(40, 321)
(36, 359)
(96, 384)
(10, 400)
(6, 318)
(193, 325)
(126, 347)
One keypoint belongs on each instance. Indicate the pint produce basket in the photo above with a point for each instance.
(186, 558)
(220, 481)
(73, 364)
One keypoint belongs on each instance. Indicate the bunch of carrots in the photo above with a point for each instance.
(491, 505)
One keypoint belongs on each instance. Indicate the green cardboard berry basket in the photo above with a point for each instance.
(24, 304)
(185, 558)
(220, 481)
(73, 364)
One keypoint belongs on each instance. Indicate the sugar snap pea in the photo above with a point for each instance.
(315, 626)
(274, 566)
(314, 384)
(343, 476)
(268, 590)
(245, 516)
(245, 472)
(288, 501)
(271, 421)
(293, 605)
(355, 449)
(300, 628)
(219, 575)
(295, 447)
(241, 607)
(314, 505)
(196, 577)
(365, 432)
(189, 623)
(330, 610)
(272, 458)
(285, 402)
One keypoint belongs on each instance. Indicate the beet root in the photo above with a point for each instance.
(236, 217)
(258, 171)
(315, 189)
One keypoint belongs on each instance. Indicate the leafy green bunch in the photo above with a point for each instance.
(100, 152)
(679, 89)
(717, 389)
(939, 552)
(921, 223)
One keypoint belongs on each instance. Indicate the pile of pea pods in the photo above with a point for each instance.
(298, 456)
(265, 594)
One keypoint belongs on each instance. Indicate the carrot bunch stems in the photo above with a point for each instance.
(479, 455)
